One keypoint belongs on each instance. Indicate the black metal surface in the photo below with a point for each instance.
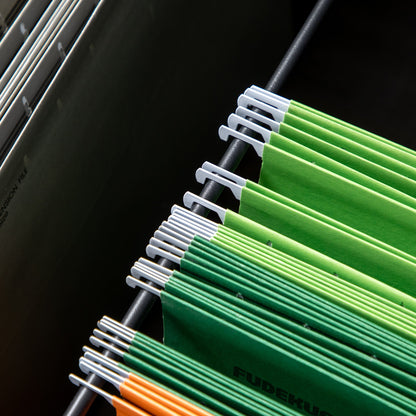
(9, 9)
(231, 159)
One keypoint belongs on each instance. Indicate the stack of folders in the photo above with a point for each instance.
(303, 302)
(32, 50)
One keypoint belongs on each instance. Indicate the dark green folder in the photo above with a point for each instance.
(234, 351)
(334, 283)
(394, 385)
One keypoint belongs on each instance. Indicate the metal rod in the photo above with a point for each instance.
(298, 45)
(232, 157)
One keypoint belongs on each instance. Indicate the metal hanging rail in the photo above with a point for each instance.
(232, 157)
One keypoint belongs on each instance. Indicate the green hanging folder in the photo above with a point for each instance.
(366, 153)
(140, 367)
(262, 311)
(325, 263)
(373, 161)
(384, 379)
(219, 273)
(392, 270)
(318, 235)
(276, 213)
(346, 164)
(317, 265)
(339, 198)
(291, 107)
(406, 345)
(229, 385)
(392, 310)
(228, 246)
(302, 306)
(373, 141)
(237, 352)
(386, 250)
(191, 386)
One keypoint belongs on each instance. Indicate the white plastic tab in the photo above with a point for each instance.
(153, 251)
(190, 199)
(118, 324)
(155, 266)
(195, 217)
(143, 271)
(268, 97)
(101, 359)
(102, 344)
(78, 381)
(110, 338)
(225, 132)
(222, 176)
(246, 101)
(202, 175)
(133, 282)
(169, 238)
(234, 121)
(151, 269)
(88, 366)
(176, 233)
(165, 246)
(108, 326)
(224, 172)
(190, 226)
(245, 112)
(278, 97)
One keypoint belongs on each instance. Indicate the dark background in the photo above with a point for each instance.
(153, 90)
